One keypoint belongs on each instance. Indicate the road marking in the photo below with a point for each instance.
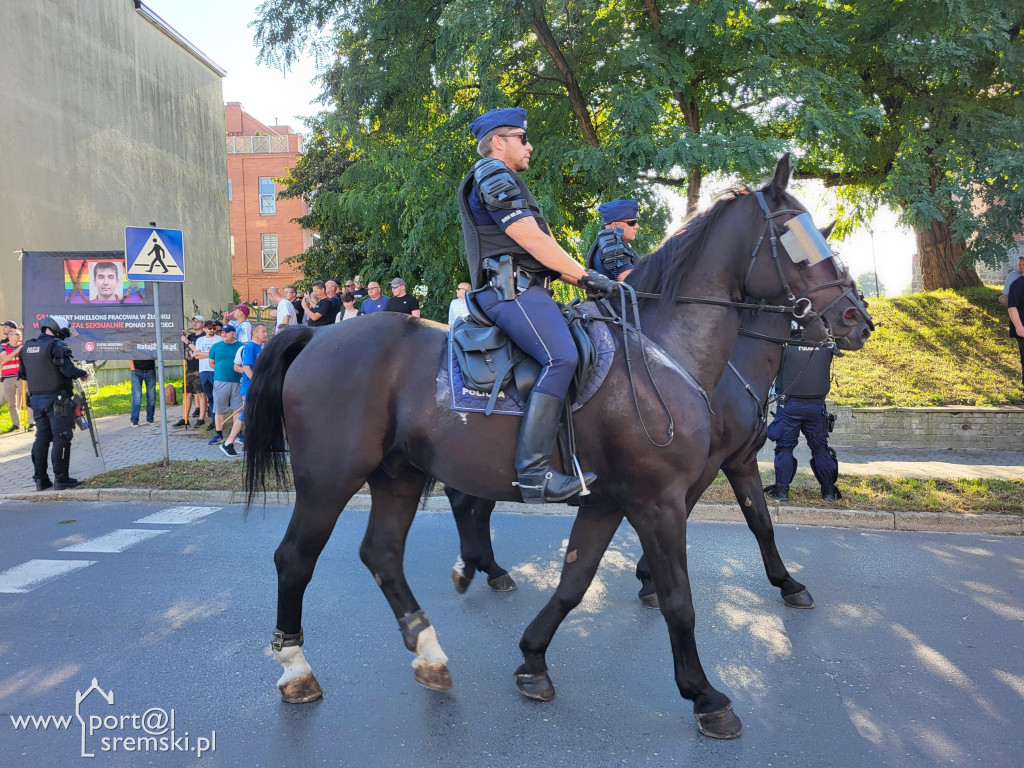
(27, 576)
(118, 541)
(178, 515)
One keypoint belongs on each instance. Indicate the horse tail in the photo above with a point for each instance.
(265, 438)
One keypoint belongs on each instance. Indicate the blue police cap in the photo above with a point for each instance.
(514, 117)
(618, 210)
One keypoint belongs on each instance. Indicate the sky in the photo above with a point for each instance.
(220, 29)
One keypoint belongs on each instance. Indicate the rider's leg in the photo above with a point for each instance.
(534, 323)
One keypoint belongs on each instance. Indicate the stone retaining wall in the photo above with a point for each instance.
(956, 427)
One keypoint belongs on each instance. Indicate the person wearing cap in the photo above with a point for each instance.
(200, 350)
(401, 301)
(374, 301)
(193, 381)
(48, 370)
(610, 254)
(512, 260)
(227, 390)
(240, 320)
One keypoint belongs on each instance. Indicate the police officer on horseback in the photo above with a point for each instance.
(512, 260)
(804, 381)
(48, 369)
(611, 253)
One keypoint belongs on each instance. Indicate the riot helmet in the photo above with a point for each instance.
(60, 326)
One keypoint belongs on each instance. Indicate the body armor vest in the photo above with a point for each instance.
(487, 241)
(42, 376)
(610, 266)
(806, 372)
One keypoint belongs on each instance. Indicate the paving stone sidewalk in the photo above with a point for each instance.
(123, 445)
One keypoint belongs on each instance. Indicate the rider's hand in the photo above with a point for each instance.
(596, 283)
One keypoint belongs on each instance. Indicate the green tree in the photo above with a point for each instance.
(948, 79)
(623, 100)
(870, 286)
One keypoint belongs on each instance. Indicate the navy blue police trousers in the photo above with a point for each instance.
(51, 427)
(535, 324)
(792, 418)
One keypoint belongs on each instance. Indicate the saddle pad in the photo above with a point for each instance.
(451, 390)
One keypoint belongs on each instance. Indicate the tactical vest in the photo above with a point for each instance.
(41, 375)
(806, 372)
(489, 242)
(594, 260)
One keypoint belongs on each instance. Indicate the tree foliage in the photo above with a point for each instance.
(948, 78)
(624, 99)
(870, 286)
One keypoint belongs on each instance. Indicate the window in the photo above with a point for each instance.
(268, 246)
(229, 190)
(232, 246)
(268, 197)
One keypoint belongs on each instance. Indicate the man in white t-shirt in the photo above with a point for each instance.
(285, 309)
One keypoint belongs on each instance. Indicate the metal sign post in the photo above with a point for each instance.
(146, 249)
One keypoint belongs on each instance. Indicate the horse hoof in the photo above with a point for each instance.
(650, 601)
(535, 686)
(503, 583)
(433, 675)
(801, 599)
(723, 724)
(301, 690)
(461, 582)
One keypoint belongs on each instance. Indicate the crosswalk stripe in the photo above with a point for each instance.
(27, 576)
(117, 541)
(178, 515)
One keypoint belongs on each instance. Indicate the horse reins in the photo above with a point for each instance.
(799, 308)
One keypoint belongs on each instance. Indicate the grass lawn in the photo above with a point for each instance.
(932, 349)
(112, 399)
(968, 497)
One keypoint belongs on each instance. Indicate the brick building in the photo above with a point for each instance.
(263, 234)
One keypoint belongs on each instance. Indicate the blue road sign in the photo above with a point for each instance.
(154, 254)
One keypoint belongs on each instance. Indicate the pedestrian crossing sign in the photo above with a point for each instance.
(154, 254)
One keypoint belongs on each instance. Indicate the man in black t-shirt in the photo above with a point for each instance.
(293, 296)
(321, 310)
(1015, 308)
(401, 301)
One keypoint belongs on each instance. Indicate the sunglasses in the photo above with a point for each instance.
(520, 136)
(349, 285)
(630, 222)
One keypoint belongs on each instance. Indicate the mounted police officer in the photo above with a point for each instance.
(803, 383)
(610, 253)
(47, 367)
(512, 260)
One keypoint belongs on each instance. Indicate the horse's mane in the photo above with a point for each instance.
(663, 270)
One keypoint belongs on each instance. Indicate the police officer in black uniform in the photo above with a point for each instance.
(512, 260)
(802, 385)
(611, 253)
(47, 367)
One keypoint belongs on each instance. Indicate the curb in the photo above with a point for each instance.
(870, 519)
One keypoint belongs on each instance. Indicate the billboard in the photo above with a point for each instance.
(112, 313)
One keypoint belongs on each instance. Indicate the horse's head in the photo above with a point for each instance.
(792, 264)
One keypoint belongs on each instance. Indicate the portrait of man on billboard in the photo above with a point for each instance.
(106, 282)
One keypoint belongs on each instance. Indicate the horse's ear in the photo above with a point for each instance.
(781, 178)
(827, 230)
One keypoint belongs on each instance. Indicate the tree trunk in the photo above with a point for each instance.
(938, 254)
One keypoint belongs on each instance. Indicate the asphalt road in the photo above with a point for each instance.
(912, 657)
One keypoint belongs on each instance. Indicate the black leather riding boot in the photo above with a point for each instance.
(538, 482)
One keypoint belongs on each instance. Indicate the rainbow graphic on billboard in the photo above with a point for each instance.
(100, 281)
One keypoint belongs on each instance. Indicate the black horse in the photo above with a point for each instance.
(738, 432)
(386, 366)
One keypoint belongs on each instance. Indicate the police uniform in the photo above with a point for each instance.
(610, 254)
(512, 288)
(48, 369)
(802, 385)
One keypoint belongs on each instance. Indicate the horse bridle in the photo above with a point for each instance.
(800, 308)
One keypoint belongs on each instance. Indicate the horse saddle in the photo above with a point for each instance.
(490, 361)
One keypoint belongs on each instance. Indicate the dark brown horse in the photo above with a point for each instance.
(384, 369)
(738, 432)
